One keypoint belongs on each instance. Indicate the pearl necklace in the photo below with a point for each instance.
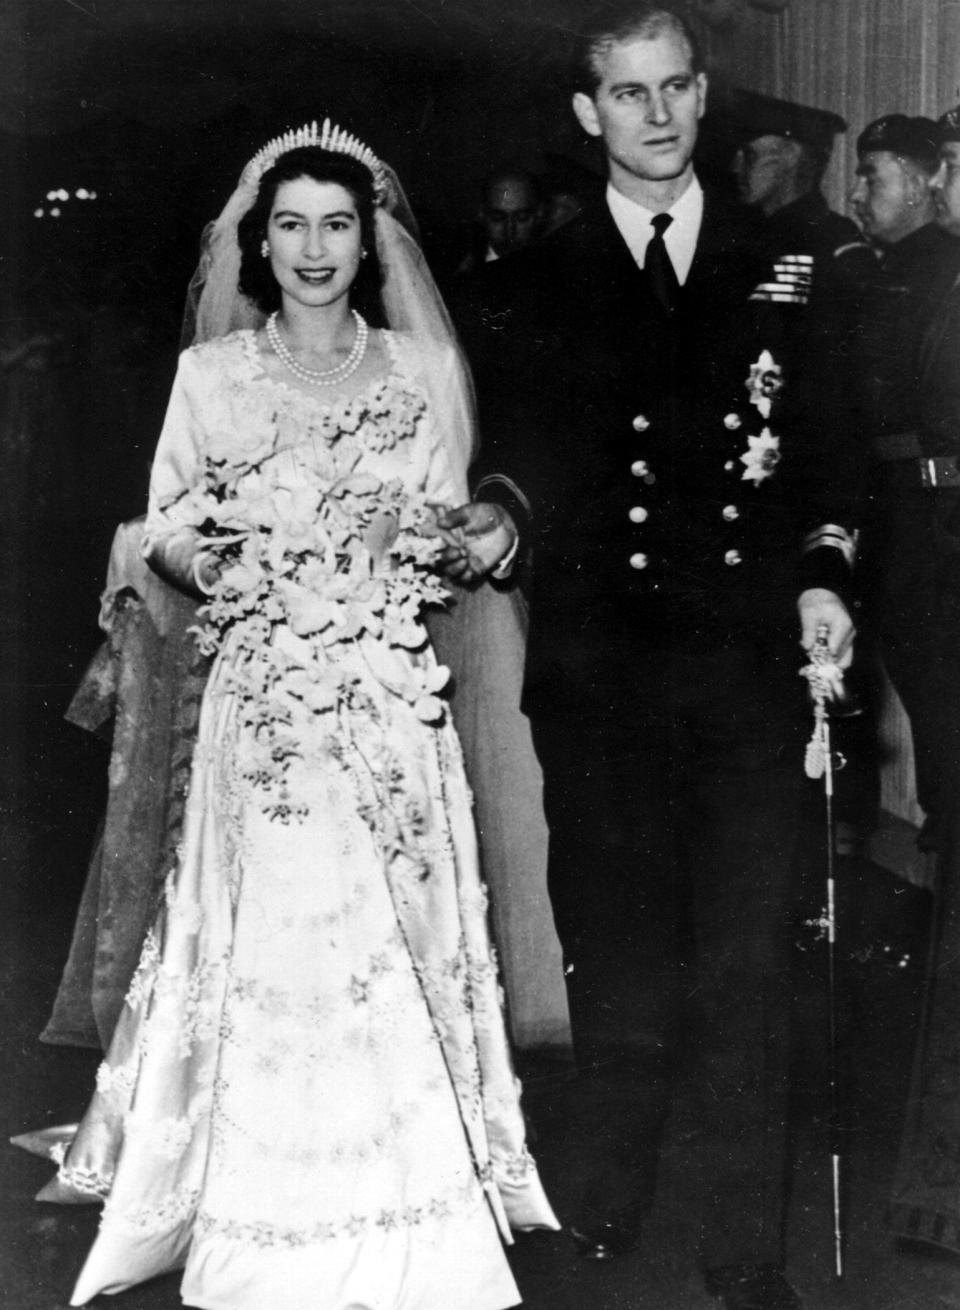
(317, 377)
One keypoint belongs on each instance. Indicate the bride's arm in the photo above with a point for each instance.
(481, 538)
(173, 547)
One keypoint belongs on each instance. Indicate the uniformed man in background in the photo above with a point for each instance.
(920, 508)
(783, 152)
(913, 478)
(824, 266)
(640, 429)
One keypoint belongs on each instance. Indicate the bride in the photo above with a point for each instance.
(308, 1101)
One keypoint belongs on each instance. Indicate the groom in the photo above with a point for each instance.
(667, 506)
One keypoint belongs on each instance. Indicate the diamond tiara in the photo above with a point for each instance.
(328, 137)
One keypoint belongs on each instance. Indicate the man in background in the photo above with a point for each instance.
(921, 585)
(511, 216)
(908, 489)
(822, 259)
(779, 165)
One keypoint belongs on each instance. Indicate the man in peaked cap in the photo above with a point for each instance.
(821, 258)
(779, 164)
(924, 587)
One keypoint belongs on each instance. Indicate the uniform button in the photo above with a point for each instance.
(732, 421)
(641, 423)
(639, 468)
(729, 466)
(638, 561)
(638, 514)
(732, 557)
(730, 513)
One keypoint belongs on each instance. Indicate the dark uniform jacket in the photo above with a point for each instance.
(939, 370)
(910, 331)
(911, 432)
(809, 226)
(663, 505)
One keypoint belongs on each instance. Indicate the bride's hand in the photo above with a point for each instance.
(477, 538)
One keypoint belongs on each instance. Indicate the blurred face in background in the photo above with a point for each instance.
(946, 188)
(764, 169)
(511, 214)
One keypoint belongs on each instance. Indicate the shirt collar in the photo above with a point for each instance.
(633, 223)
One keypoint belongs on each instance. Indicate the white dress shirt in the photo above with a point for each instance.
(680, 238)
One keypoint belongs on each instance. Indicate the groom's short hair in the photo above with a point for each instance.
(624, 20)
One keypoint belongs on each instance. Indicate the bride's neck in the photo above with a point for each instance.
(318, 328)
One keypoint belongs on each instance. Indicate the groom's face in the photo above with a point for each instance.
(647, 107)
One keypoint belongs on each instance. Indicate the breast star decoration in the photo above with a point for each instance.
(765, 382)
(761, 458)
(762, 455)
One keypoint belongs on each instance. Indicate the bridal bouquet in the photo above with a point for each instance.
(324, 582)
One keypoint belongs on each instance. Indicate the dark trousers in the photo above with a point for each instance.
(917, 612)
(673, 805)
(916, 609)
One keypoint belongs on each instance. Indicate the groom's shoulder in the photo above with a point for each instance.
(730, 224)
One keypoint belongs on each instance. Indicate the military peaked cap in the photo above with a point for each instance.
(948, 125)
(756, 115)
(913, 138)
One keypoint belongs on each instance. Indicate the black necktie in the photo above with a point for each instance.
(659, 267)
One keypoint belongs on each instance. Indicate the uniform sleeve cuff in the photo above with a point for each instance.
(831, 537)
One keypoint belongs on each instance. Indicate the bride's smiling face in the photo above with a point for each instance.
(315, 241)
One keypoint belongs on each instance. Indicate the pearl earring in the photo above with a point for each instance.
(363, 254)
(264, 249)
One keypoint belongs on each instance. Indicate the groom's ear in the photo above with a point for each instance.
(586, 112)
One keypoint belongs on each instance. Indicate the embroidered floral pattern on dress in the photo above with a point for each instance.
(388, 1220)
(168, 1137)
(88, 1182)
(514, 1168)
(175, 1209)
(189, 913)
(188, 1004)
(200, 1007)
(141, 984)
(117, 1084)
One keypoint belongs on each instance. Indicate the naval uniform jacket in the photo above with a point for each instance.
(658, 504)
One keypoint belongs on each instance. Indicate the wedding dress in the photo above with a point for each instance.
(308, 1101)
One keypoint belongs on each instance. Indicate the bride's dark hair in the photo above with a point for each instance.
(256, 280)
